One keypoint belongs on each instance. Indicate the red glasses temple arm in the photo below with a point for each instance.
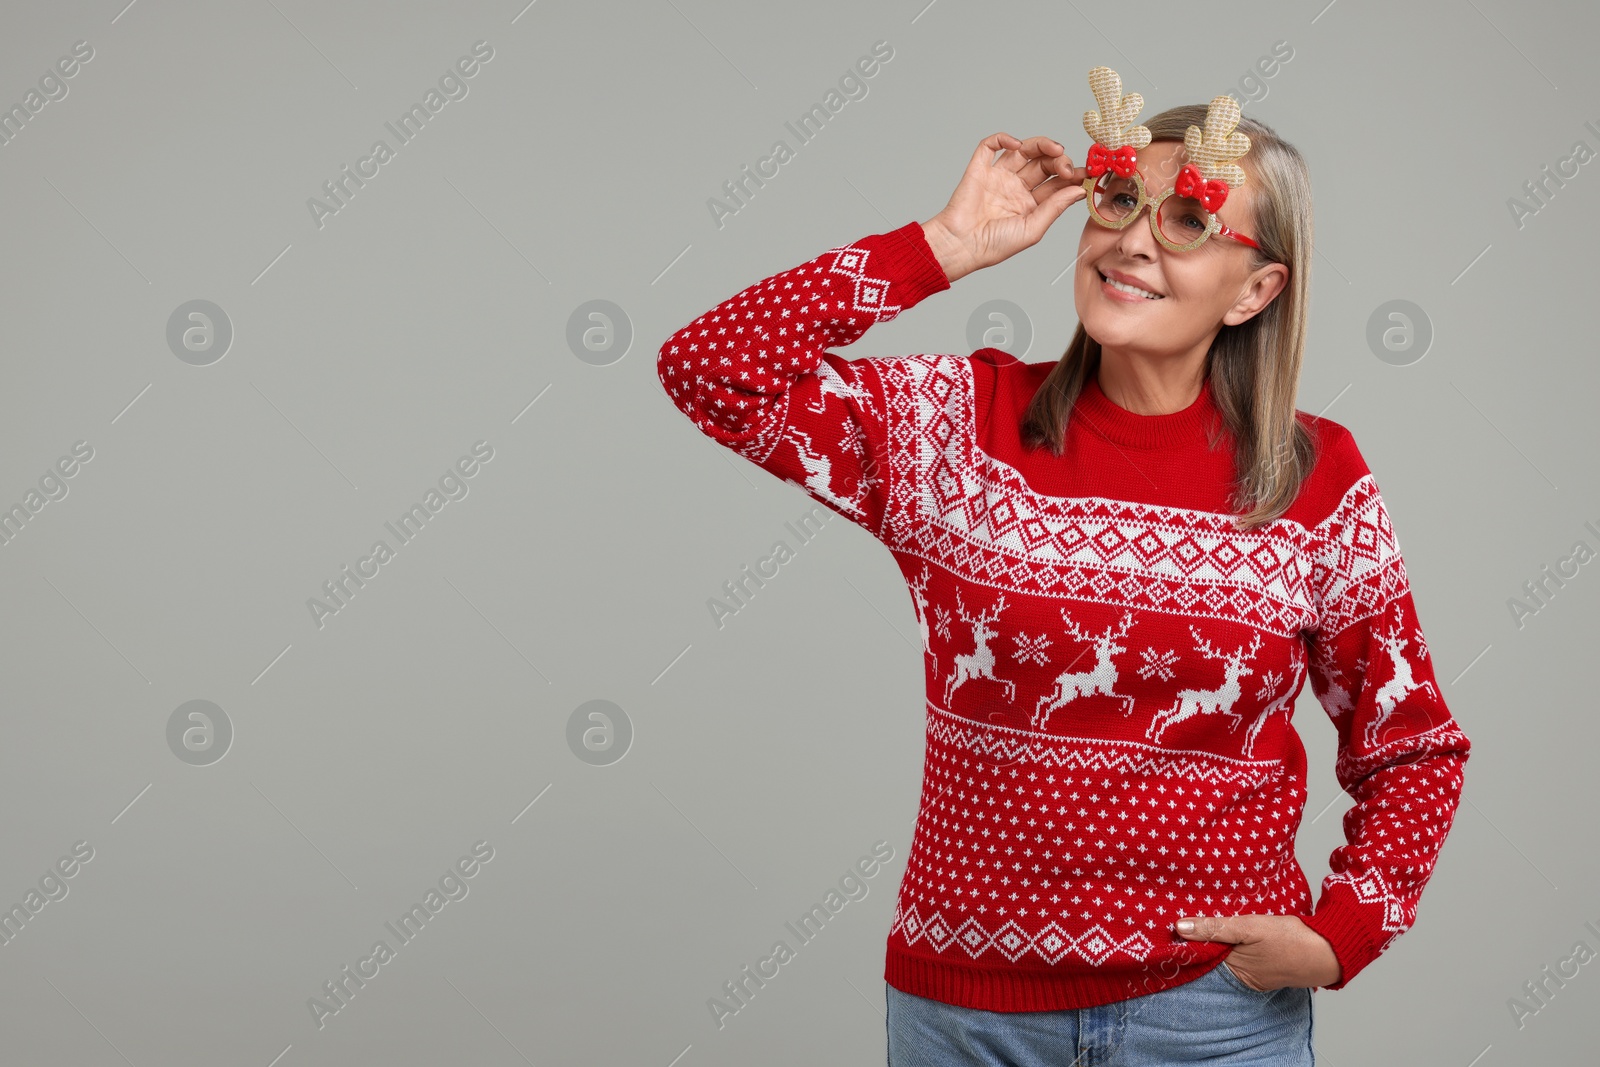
(1223, 231)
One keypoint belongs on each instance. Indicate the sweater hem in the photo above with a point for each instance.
(1014, 989)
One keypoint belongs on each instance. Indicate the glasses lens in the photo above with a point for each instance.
(1183, 219)
(1115, 197)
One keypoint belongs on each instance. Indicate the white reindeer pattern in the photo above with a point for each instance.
(1297, 663)
(1336, 698)
(919, 595)
(832, 384)
(980, 663)
(1397, 688)
(819, 475)
(1219, 701)
(1101, 678)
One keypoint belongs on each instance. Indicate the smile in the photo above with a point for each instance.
(1130, 289)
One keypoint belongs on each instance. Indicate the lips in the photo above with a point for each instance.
(1128, 279)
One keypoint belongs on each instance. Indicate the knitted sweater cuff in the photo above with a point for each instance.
(916, 268)
(1350, 926)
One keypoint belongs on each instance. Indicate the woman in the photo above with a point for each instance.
(1125, 564)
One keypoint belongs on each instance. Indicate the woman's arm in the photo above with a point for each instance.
(1401, 752)
(754, 373)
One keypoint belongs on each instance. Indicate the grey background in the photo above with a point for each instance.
(765, 757)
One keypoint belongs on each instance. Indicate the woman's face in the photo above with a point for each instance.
(1198, 291)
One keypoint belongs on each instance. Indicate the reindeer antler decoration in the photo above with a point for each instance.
(1213, 150)
(1115, 142)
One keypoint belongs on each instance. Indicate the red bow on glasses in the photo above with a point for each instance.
(1123, 160)
(1210, 193)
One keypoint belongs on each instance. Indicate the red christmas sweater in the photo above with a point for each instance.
(1111, 667)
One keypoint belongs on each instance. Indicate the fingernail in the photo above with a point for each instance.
(1185, 926)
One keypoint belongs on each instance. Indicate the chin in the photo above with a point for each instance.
(1106, 330)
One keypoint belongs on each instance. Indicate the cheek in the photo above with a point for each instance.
(1088, 237)
(1082, 270)
(1192, 281)
(1094, 244)
(1085, 278)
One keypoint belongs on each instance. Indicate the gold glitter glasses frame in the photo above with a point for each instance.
(1213, 226)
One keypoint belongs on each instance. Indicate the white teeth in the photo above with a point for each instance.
(1131, 289)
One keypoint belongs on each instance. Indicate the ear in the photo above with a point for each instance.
(1258, 291)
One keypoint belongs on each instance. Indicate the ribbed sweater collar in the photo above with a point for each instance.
(1183, 428)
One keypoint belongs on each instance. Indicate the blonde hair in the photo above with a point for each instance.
(1254, 367)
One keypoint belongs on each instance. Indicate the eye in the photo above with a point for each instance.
(1188, 217)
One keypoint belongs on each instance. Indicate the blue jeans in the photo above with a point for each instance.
(1215, 1019)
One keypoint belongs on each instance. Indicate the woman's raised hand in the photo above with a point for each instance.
(1003, 205)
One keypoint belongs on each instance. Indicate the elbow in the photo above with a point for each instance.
(667, 360)
(672, 368)
(676, 373)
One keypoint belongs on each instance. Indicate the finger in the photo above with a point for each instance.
(1051, 200)
(995, 142)
(1062, 167)
(1042, 168)
(1034, 171)
(1031, 149)
(1207, 928)
(1048, 210)
(1052, 197)
(1059, 168)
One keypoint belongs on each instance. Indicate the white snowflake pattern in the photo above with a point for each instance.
(852, 436)
(1158, 665)
(1031, 649)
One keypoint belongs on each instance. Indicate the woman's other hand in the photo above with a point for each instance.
(1005, 204)
(1270, 951)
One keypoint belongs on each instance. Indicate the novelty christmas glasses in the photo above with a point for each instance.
(1182, 217)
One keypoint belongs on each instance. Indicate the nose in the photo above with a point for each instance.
(1135, 239)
